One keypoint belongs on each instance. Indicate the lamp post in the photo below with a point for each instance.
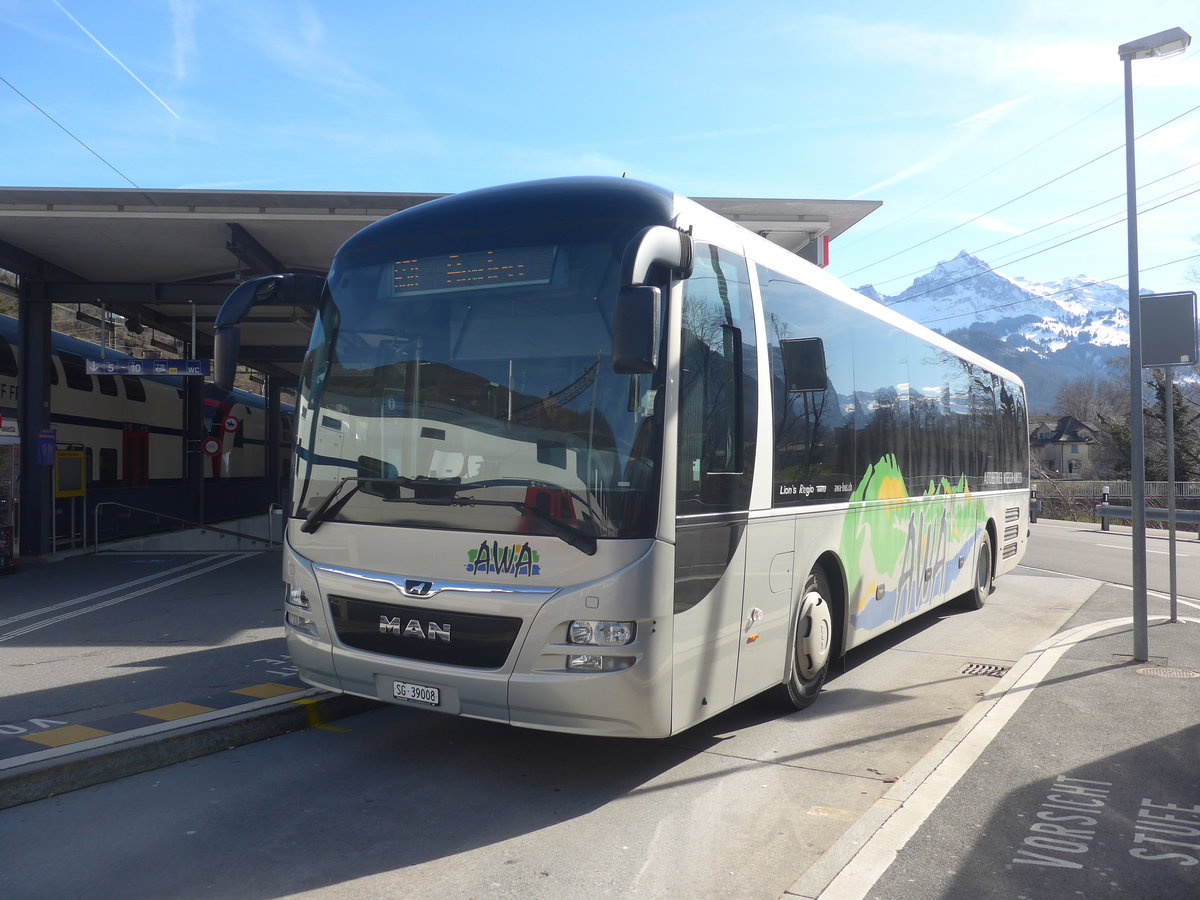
(1165, 43)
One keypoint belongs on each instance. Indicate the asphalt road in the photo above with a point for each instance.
(1083, 549)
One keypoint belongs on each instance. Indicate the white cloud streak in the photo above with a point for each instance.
(113, 57)
(970, 128)
(183, 31)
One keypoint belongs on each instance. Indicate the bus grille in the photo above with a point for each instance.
(431, 635)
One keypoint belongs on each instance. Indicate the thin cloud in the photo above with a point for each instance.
(970, 128)
(983, 119)
(991, 224)
(113, 57)
(183, 21)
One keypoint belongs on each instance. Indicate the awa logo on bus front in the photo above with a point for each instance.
(514, 560)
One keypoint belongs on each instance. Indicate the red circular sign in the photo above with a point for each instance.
(212, 446)
(231, 423)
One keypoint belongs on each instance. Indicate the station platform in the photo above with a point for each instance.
(132, 658)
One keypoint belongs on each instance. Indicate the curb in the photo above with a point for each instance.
(49, 773)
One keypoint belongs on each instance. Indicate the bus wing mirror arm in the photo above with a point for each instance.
(278, 290)
(638, 314)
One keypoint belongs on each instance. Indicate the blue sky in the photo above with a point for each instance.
(953, 115)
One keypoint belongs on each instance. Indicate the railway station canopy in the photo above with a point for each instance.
(167, 259)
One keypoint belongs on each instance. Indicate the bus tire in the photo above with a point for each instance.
(981, 585)
(812, 644)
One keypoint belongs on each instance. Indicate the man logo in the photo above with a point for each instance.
(388, 625)
(415, 588)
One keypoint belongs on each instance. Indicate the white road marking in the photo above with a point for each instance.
(157, 585)
(916, 795)
(33, 613)
(1148, 550)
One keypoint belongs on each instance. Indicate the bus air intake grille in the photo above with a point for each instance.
(1012, 515)
(992, 671)
(430, 635)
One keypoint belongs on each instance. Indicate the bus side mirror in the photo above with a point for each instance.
(635, 330)
(226, 344)
(270, 290)
(637, 317)
(804, 365)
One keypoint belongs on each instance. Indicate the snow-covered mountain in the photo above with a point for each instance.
(1047, 332)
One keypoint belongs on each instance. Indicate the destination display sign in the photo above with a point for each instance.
(149, 366)
(474, 270)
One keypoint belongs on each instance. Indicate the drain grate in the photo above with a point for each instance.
(1168, 672)
(985, 669)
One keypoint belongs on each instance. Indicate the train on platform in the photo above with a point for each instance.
(131, 427)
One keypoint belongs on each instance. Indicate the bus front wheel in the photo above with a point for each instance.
(812, 644)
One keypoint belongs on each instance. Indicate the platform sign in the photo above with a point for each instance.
(1169, 329)
(149, 366)
(45, 447)
(69, 474)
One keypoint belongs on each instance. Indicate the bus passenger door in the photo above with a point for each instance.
(716, 431)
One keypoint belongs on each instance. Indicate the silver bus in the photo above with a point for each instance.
(582, 455)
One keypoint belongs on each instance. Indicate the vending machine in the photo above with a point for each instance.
(10, 456)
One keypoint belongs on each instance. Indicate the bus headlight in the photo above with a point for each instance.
(296, 597)
(295, 601)
(606, 634)
(301, 623)
(600, 634)
(590, 662)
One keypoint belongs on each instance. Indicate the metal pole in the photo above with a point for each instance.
(1169, 403)
(1137, 446)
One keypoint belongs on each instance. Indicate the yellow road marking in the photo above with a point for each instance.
(314, 716)
(60, 737)
(268, 690)
(174, 711)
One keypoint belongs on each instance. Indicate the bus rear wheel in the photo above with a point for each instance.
(812, 645)
(981, 586)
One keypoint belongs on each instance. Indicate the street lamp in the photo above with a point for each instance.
(1165, 43)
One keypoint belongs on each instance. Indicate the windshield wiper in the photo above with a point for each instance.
(317, 516)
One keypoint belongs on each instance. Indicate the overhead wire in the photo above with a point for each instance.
(1158, 72)
(992, 171)
(1050, 224)
(1013, 200)
(990, 269)
(78, 140)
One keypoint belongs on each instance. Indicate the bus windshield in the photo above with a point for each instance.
(467, 384)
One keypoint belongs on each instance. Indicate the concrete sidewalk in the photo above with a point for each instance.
(119, 663)
(1077, 775)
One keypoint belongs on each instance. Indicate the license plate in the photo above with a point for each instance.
(416, 693)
